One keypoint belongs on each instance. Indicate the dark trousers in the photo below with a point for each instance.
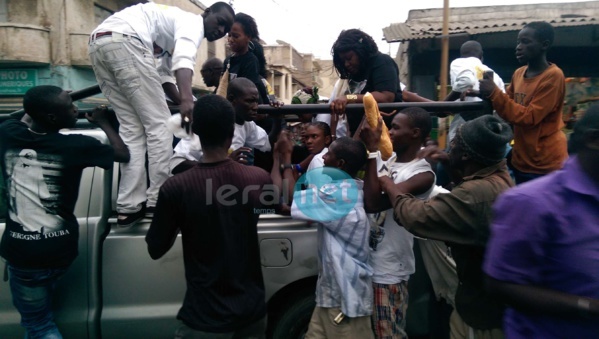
(255, 330)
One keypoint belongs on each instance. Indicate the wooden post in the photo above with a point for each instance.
(444, 122)
(444, 51)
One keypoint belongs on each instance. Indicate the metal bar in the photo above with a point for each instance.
(432, 107)
(85, 93)
(75, 95)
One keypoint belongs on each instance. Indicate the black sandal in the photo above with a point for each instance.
(129, 219)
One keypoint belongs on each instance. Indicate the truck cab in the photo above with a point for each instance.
(114, 289)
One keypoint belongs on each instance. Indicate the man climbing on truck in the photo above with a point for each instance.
(42, 170)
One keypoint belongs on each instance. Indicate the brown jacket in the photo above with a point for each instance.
(462, 218)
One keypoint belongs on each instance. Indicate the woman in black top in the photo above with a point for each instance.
(243, 63)
(357, 58)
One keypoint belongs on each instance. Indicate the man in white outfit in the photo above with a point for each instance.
(122, 52)
(243, 95)
(464, 73)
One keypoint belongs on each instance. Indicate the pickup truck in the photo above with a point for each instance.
(115, 290)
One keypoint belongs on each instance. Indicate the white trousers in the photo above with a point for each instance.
(127, 74)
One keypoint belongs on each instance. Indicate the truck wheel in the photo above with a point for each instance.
(294, 318)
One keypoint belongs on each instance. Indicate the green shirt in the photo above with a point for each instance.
(462, 218)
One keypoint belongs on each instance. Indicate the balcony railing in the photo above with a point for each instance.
(29, 44)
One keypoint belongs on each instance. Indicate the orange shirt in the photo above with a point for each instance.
(534, 107)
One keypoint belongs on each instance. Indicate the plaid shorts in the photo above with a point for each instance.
(390, 306)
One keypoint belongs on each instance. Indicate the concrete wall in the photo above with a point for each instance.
(289, 70)
(51, 36)
(575, 50)
(327, 77)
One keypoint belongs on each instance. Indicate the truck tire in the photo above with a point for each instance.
(295, 317)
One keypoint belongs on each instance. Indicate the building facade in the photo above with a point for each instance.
(44, 42)
(290, 70)
(575, 48)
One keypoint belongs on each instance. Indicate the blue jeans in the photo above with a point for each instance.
(32, 296)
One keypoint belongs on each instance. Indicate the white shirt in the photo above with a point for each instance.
(339, 89)
(249, 135)
(177, 32)
(464, 74)
(318, 161)
(439, 263)
(392, 257)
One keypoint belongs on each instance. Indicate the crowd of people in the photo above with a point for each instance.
(514, 261)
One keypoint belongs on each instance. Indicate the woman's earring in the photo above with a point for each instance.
(251, 45)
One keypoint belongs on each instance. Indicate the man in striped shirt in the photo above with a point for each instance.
(335, 200)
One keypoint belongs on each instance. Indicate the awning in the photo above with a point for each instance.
(399, 32)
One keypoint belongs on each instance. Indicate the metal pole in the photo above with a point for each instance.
(433, 107)
(75, 95)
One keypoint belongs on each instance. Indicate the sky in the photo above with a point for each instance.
(312, 26)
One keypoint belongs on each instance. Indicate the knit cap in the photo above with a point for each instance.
(484, 138)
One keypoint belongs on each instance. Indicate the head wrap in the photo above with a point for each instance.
(484, 139)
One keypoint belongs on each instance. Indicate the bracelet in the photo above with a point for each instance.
(373, 155)
(286, 166)
(298, 168)
(351, 96)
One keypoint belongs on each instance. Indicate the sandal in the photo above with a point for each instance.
(150, 211)
(129, 219)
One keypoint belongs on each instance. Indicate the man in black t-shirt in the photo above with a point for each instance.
(42, 169)
(216, 205)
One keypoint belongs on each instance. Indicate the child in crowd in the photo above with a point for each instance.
(335, 200)
(301, 155)
(533, 105)
(306, 95)
(392, 257)
(317, 138)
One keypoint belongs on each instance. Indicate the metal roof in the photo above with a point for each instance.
(427, 23)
